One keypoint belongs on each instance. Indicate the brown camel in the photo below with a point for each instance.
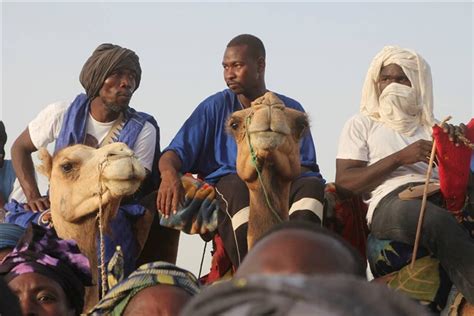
(77, 174)
(267, 136)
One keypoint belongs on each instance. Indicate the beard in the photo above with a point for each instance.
(114, 107)
(117, 104)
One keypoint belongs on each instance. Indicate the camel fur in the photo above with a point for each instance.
(274, 132)
(77, 174)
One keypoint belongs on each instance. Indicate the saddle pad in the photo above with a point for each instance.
(415, 192)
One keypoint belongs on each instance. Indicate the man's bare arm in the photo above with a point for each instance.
(355, 176)
(25, 171)
(171, 191)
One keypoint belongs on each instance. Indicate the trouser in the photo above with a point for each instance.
(441, 234)
(306, 203)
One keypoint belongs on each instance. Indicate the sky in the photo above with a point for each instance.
(317, 53)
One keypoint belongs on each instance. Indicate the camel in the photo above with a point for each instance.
(77, 174)
(267, 136)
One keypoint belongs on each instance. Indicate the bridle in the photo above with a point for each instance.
(253, 157)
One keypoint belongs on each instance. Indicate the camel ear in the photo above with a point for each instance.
(46, 162)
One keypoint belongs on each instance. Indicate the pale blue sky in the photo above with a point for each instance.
(317, 53)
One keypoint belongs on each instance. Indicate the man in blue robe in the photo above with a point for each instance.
(203, 147)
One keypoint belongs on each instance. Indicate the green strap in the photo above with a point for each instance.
(254, 163)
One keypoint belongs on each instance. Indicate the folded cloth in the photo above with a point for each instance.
(346, 217)
(149, 274)
(17, 214)
(121, 229)
(198, 214)
(454, 168)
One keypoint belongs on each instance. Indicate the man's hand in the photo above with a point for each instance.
(170, 194)
(37, 204)
(416, 152)
(454, 131)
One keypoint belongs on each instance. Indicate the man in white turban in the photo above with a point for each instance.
(385, 149)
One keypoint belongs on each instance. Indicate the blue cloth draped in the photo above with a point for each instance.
(73, 131)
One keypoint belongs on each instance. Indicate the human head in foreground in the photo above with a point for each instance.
(47, 274)
(301, 247)
(336, 294)
(157, 288)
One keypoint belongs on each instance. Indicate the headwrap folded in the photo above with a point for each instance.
(104, 60)
(149, 274)
(10, 234)
(400, 107)
(41, 251)
(300, 295)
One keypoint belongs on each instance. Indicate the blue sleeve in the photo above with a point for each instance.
(307, 148)
(190, 141)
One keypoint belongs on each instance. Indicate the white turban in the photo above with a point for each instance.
(400, 107)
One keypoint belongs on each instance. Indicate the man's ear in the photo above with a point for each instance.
(46, 165)
(261, 65)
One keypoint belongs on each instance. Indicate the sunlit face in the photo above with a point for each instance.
(39, 295)
(118, 89)
(241, 70)
(392, 73)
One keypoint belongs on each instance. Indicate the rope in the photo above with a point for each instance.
(103, 274)
(202, 259)
(424, 200)
(230, 219)
(254, 163)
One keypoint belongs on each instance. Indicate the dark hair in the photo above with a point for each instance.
(3, 134)
(254, 44)
(359, 262)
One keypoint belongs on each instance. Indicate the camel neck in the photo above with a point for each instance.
(261, 214)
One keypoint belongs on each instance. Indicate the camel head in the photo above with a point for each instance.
(78, 173)
(274, 132)
(267, 136)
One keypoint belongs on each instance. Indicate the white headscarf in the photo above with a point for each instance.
(400, 107)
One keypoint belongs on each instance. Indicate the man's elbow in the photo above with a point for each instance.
(348, 187)
(23, 145)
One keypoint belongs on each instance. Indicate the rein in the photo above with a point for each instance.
(253, 155)
(103, 275)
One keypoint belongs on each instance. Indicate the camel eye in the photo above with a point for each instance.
(234, 124)
(67, 167)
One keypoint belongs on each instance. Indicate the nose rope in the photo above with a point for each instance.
(253, 156)
(103, 275)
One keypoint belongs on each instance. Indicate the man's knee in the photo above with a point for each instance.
(311, 187)
(438, 218)
(306, 200)
(307, 216)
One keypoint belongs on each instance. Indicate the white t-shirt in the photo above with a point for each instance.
(45, 128)
(367, 140)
